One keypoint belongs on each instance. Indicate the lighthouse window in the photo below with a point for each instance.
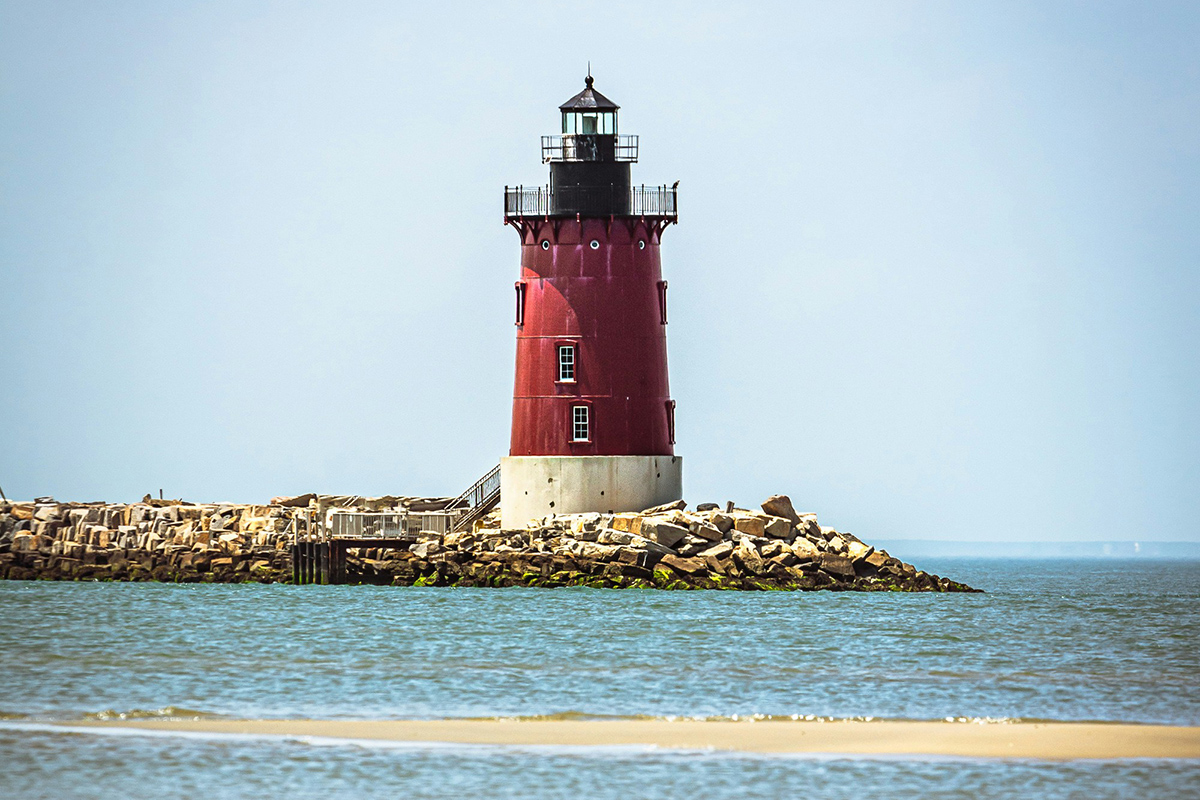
(671, 421)
(595, 245)
(521, 286)
(545, 244)
(566, 362)
(641, 245)
(581, 429)
(589, 123)
(662, 301)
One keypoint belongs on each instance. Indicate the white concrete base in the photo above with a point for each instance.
(533, 486)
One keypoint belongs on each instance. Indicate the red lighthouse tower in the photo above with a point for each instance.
(593, 421)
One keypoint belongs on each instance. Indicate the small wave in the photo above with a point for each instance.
(581, 716)
(13, 715)
(166, 712)
(563, 716)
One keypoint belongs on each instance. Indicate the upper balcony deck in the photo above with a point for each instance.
(524, 202)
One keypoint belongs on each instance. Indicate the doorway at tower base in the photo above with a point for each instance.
(533, 486)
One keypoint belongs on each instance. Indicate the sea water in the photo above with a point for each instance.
(1111, 641)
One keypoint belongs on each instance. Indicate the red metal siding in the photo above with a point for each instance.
(605, 300)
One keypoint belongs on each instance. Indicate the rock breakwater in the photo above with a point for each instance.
(667, 547)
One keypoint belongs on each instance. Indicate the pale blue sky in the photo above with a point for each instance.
(937, 273)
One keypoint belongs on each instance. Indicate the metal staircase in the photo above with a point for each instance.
(481, 498)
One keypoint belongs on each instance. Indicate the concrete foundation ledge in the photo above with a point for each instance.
(533, 486)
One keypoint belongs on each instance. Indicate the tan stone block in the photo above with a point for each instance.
(722, 522)
(778, 528)
(750, 525)
(857, 551)
(780, 505)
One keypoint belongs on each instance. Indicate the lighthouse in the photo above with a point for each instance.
(593, 422)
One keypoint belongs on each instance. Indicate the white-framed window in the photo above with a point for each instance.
(581, 424)
(566, 362)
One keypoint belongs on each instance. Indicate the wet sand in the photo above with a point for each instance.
(1052, 741)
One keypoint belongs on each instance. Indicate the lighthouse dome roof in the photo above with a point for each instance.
(589, 99)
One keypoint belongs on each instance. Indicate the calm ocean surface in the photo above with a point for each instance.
(1060, 640)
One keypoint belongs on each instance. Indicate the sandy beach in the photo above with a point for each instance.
(1052, 741)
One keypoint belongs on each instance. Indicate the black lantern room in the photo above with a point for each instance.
(589, 161)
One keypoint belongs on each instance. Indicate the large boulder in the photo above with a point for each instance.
(426, 549)
(785, 559)
(772, 549)
(808, 527)
(836, 565)
(617, 537)
(625, 522)
(778, 528)
(748, 557)
(878, 559)
(665, 533)
(47, 512)
(780, 505)
(750, 524)
(594, 550)
(722, 522)
(871, 564)
(704, 530)
(676, 505)
(805, 550)
(721, 551)
(857, 551)
(688, 566)
(462, 540)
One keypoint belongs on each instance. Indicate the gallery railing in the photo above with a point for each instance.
(639, 201)
(590, 147)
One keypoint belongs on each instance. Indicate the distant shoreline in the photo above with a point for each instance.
(1056, 741)
(1100, 550)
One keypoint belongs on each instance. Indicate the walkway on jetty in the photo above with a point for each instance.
(319, 552)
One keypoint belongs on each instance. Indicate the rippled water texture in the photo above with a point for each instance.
(1061, 640)
(57, 766)
(1058, 640)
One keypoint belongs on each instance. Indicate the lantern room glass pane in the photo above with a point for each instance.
(589, 124)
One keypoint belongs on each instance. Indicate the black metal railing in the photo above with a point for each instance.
(638, 201)
(590, 147)
(523, 201)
